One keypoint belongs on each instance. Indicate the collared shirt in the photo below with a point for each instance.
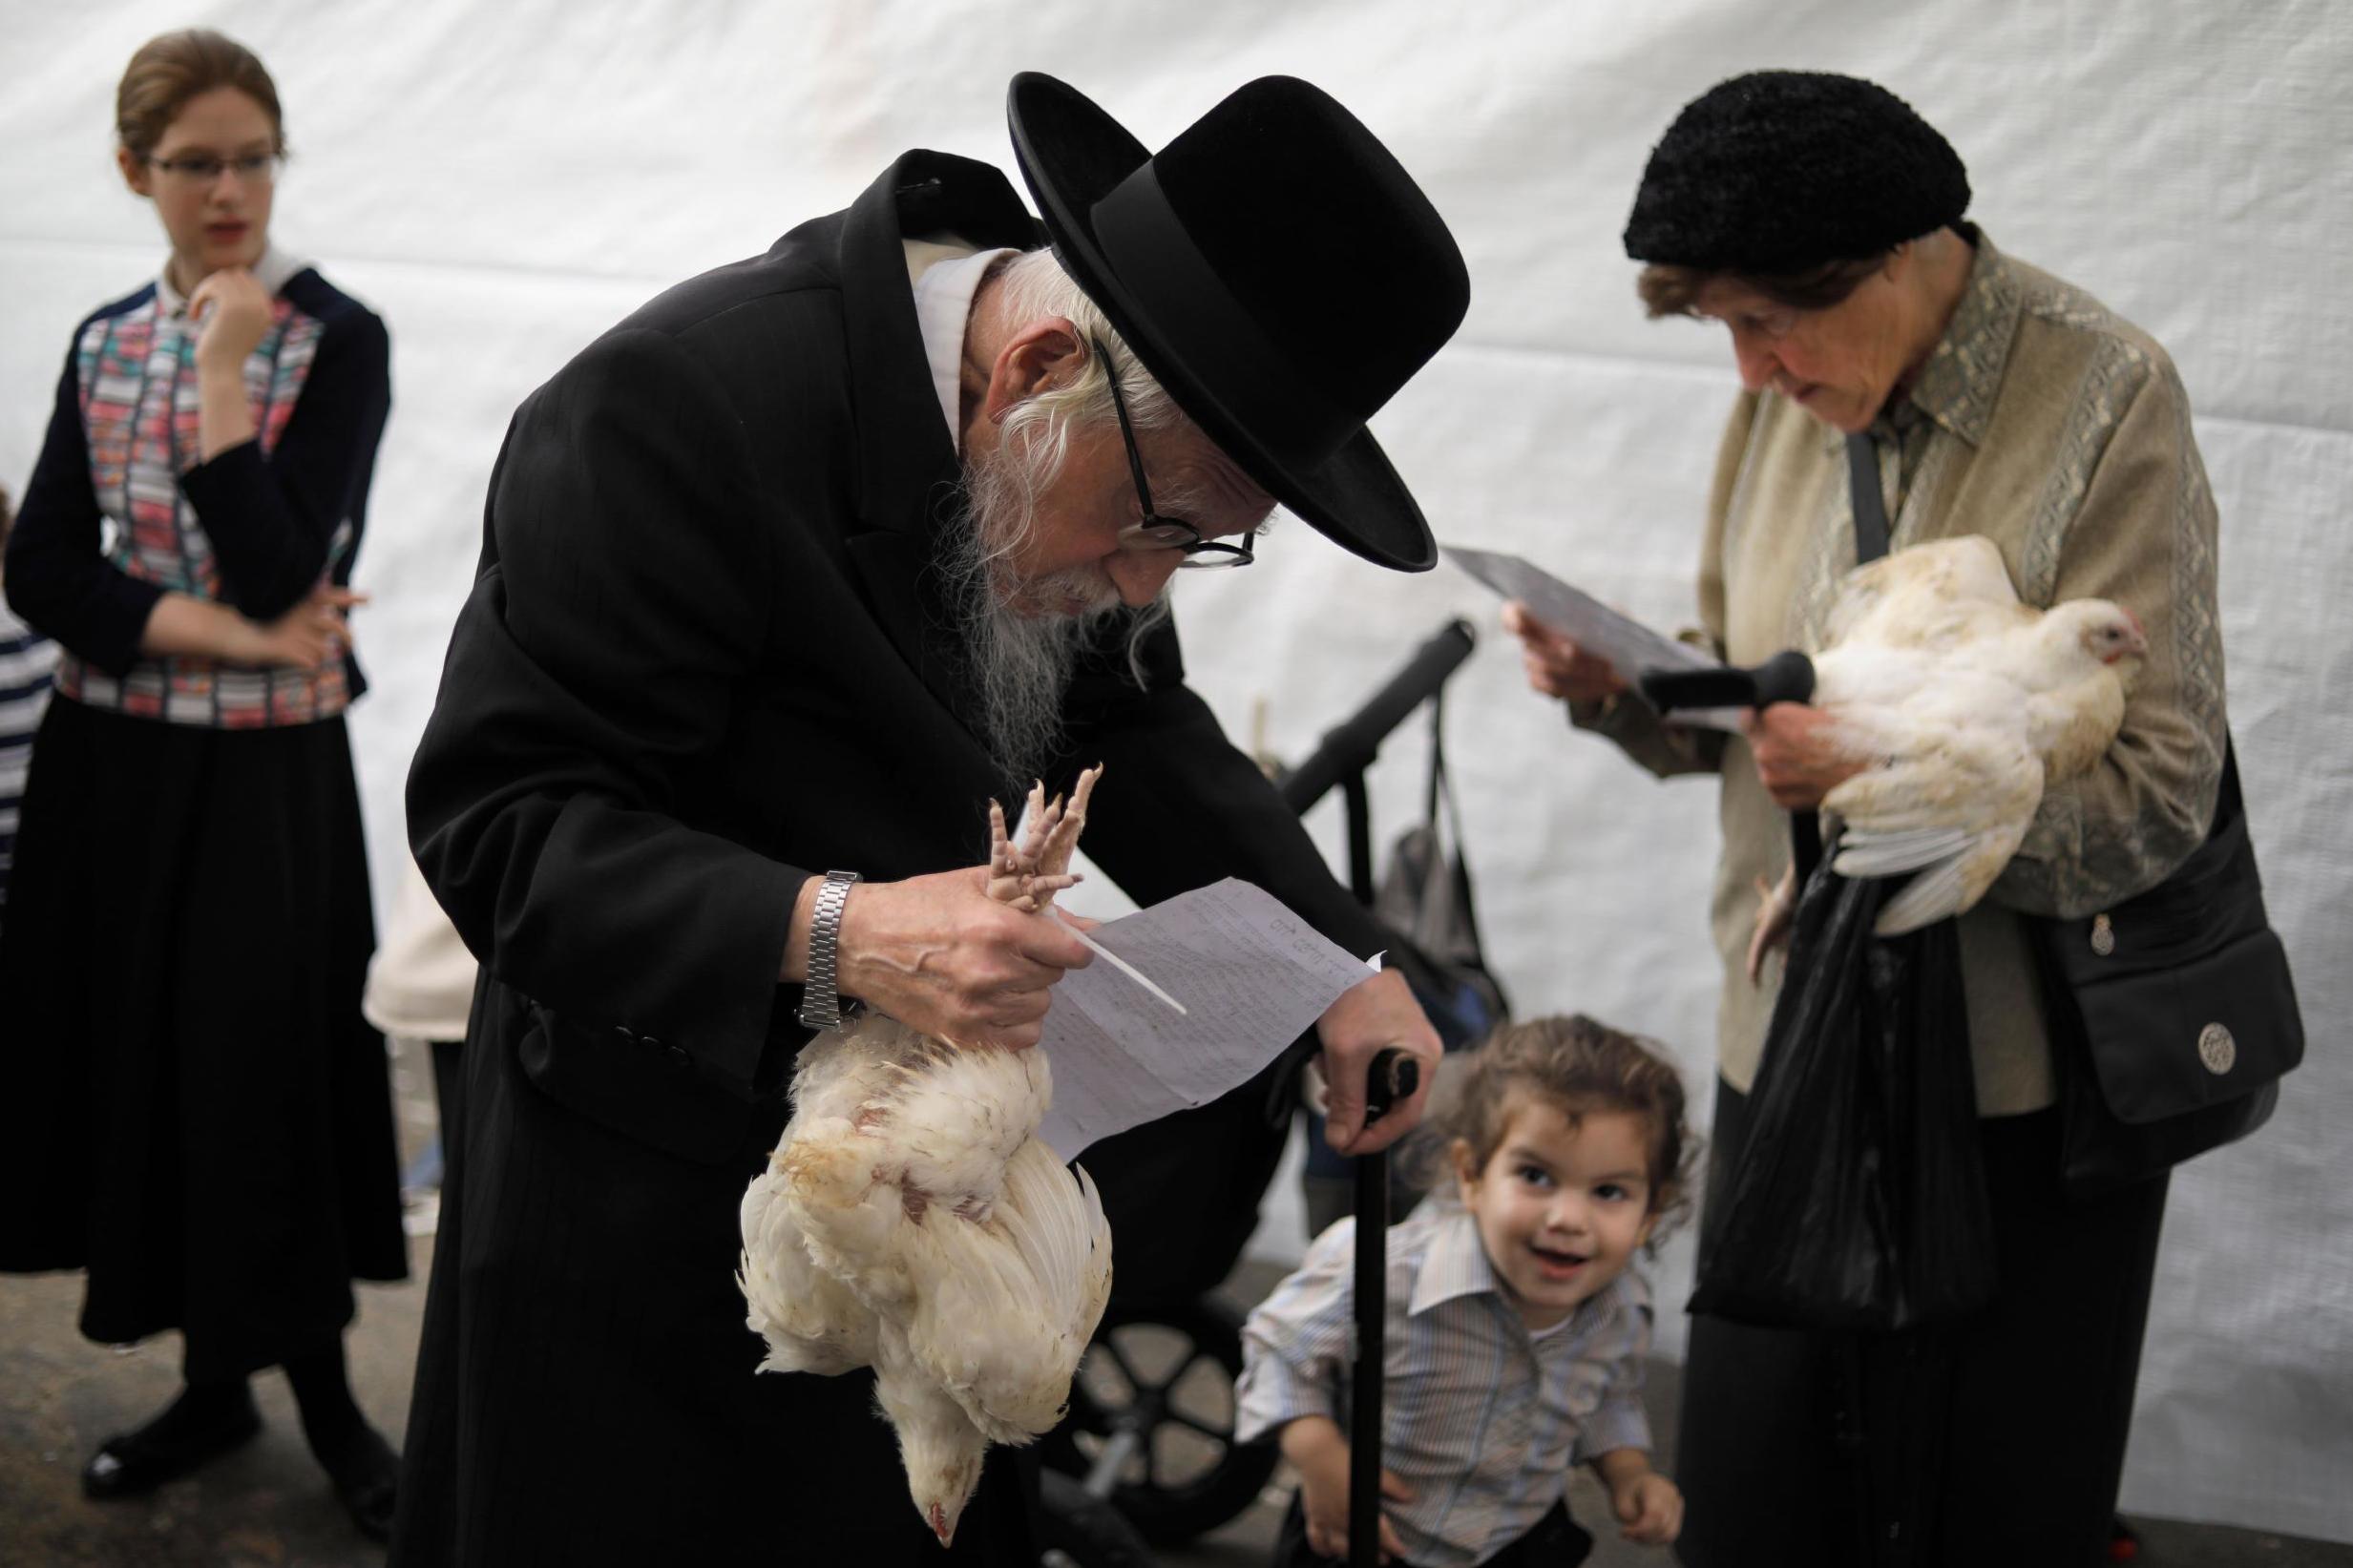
(1481, 1417)
(945, 278)
(2062, 433)
(273, 270)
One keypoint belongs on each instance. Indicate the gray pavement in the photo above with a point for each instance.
(268, 1505)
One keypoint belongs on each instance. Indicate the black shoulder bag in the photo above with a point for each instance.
(2173, 1015)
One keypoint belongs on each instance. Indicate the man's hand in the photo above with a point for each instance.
(1799, 758)
(1556, 666)
(1378, 1012)
(1319, 1454)
(941, 956)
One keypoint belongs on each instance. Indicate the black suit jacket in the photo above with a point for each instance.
(704, 660)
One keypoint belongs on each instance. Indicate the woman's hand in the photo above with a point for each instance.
(233, 311)
(1799, 756)
(1556, 666)
(1319, 1454)
(941, 956)
(308, 636)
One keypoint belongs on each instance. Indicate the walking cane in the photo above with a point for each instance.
(1394, 1076)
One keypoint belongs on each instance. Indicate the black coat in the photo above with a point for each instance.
(700, 663)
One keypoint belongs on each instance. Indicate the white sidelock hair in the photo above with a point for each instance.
(1020, 665)
(1042, 426)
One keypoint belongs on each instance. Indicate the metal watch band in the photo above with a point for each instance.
(821, 1001)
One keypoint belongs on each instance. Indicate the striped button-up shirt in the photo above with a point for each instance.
(1481, 1417)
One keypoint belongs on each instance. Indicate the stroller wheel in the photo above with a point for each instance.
(1077, 1530)
(1151, 1419)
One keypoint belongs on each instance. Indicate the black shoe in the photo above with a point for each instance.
(366, 1480)
(134, 1462)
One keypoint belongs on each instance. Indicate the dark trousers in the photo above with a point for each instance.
(1999, 1439)
(1553, 1541)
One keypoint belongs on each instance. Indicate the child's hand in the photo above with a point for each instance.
(1650, 1508)
(1326, 1507)
(1319, 1454)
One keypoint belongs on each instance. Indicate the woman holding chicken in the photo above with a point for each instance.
(200, 1118)
(1885, 344)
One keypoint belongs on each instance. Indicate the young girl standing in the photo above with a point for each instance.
(196, 1113)
(1515, 1331)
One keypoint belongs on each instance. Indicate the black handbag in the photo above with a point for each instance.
(2173, 1015)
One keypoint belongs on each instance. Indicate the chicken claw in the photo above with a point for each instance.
(1775, 914)
(1028, 875)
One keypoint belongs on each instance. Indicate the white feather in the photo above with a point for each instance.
(1864, 854)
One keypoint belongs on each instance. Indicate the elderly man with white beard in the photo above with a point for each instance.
(784, 579)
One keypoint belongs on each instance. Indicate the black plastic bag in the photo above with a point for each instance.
(1859, 1199)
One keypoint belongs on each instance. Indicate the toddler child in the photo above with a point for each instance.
(1515, 1330)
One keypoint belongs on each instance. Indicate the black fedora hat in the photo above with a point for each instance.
(1275, 269)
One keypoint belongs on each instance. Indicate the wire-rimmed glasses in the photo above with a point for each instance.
(199, 170)
(1155, 532)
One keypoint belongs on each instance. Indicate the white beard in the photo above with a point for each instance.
(1020, 639)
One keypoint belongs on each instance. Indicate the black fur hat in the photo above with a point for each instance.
(1778, 171)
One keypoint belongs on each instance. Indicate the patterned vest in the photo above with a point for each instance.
(139, 408)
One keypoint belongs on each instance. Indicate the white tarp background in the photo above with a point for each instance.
(503, 181)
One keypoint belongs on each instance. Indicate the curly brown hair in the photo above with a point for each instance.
(1578, 1066)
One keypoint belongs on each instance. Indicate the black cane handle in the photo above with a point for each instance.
(1393, 1076)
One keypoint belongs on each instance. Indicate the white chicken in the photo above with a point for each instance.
(1967, 704)
(909, 1222)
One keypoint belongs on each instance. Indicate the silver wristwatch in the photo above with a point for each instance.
(821, 1001)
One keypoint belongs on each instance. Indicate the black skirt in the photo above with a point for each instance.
(191, 1107)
